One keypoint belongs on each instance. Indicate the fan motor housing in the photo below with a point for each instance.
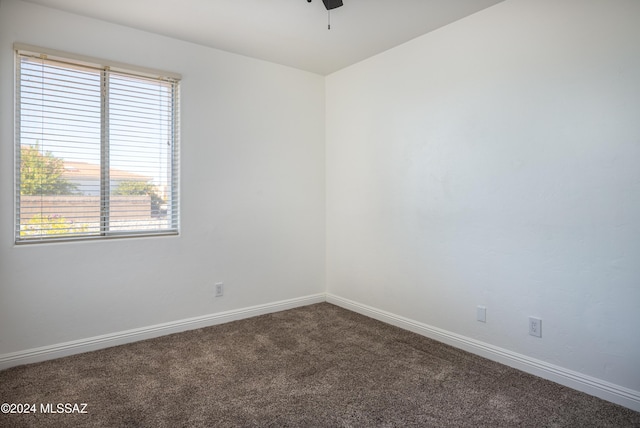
(332, 4)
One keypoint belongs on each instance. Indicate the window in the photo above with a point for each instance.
(96, 148)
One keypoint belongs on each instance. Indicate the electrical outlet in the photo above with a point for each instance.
(481, 314)
(219, 289)
(535, 326)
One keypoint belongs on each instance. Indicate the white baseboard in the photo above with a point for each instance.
(617, 394)
(590, 385)
(113, 339)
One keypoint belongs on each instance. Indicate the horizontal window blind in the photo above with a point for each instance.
(96, 151)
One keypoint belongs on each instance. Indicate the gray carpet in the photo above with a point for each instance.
(314, 366)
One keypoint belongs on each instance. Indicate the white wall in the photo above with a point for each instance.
(252, 162)
(493, 162)
(496, 162)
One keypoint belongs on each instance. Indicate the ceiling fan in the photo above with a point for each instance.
(330, 4)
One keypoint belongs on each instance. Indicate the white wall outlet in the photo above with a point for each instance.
(535, 326)
(219, 289)
(481, 314)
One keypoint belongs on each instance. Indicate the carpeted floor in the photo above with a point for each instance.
(316, 366)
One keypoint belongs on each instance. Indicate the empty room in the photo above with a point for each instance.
(320, 213)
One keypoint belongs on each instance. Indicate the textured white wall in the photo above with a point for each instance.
(496, 162)
(252, 194)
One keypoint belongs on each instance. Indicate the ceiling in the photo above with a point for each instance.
(288, 32)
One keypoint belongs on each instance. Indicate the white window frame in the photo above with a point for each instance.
(104, 67)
